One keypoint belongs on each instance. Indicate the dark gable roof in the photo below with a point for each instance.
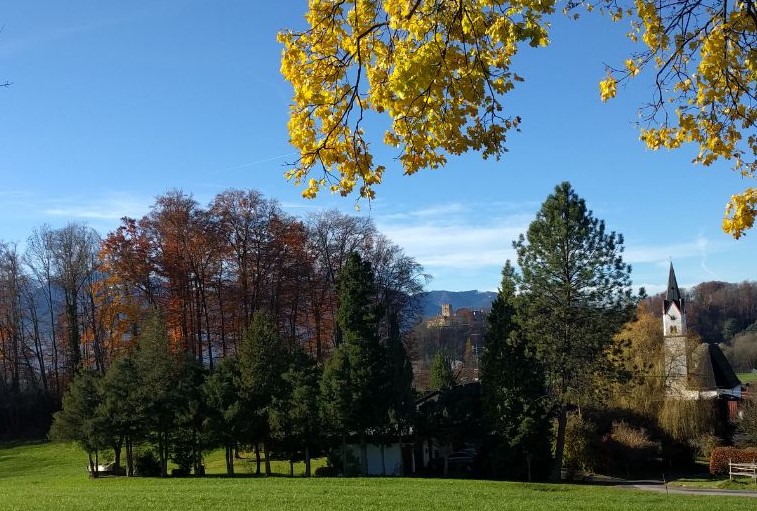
(725, 377)
(709, 369)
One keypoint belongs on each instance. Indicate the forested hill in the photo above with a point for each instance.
(477, 300)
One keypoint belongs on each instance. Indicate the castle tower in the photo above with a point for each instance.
(674, 339)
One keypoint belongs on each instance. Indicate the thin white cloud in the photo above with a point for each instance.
(457, 236)
(103, 208)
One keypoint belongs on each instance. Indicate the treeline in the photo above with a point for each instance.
(271, 394)
(73, 301)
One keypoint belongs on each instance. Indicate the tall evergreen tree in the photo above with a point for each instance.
(262, 361)
(513, 390)
(354, 379)
(441, 372)
(80, 419)
(294, 414)
(157, 372)
(224, 408)
(123, 406)
(577, 295)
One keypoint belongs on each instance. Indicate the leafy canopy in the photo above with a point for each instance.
(704, 55)
(440, 68)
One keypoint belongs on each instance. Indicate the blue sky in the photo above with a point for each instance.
(114, 103)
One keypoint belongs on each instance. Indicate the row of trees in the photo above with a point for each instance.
(548, 337)
(73, 301)
(272, 393)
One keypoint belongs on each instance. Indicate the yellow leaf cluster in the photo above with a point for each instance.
(436, 68)
(705, 60)
(740, 213)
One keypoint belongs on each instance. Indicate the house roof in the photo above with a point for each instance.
(709, 369)
(725, 376)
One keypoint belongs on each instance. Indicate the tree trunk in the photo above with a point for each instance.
(363, 455)
(562, 424)
(267, 459)
(291, 467)
(230, 459)
(117, 452)
(344, 454)
(402, 454)
(129, 457)
(257, 459)
(307, 460)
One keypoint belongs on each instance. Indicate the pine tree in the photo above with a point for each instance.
(513, 390)
(441, 372)
(354, 383)
(262, 361)
(157, 373)
(577, 295)
(80, 419)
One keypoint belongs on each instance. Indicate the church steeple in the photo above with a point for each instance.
(673, 308)
(673, 293)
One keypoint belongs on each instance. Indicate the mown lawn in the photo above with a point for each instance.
(52, 477)
(747, 377)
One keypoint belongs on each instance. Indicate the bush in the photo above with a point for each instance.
(706, 443)
(721, 456)
(630, 448)
(146, 464)
(582, 445)
(326, 472)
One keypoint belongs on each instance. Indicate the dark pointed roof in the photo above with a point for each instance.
(673, 293)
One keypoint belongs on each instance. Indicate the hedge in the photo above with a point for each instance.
(721, 456)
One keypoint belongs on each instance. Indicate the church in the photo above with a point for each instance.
(693, 369)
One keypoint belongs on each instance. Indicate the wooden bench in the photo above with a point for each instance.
(742, 469)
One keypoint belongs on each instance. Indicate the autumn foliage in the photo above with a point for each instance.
(721, 456)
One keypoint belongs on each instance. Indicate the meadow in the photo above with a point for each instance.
(49, 476)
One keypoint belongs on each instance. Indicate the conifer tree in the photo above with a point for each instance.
(262, 361)
(441, 372)
(513, 390)
(354, 380)
(576, 295)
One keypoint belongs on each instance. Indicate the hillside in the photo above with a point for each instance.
(477, 300)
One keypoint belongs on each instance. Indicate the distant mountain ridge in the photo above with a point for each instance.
(433, 300)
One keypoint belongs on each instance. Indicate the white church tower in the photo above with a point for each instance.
(693, 370)
(674, 339)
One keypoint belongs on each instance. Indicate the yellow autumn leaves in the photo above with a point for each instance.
(436, 68)
(705, 61)
(436, 72)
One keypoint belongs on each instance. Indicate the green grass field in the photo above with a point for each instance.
(52, 477)
(747, 377)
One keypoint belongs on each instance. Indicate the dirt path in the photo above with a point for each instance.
(660, 487)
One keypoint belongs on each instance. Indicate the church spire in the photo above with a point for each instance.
(673, 293)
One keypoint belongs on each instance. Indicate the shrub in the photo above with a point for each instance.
(721, 456)
(706, 443)
(146, 464)
(630, 447)
(582, 445)
(686, 420)
(628, 436)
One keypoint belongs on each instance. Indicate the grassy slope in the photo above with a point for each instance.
(52, 476)
(747, 377)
